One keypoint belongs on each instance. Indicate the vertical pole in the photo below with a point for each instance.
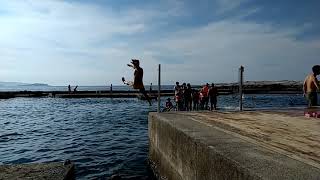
(111, 90)
(241, 70)
(159, 87)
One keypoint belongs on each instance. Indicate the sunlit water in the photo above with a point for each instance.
(102, 136)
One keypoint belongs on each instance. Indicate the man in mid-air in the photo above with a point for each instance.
(311, 86)
(138, 79)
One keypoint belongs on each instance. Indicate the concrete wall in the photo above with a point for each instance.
(179, 157)
(182, 149)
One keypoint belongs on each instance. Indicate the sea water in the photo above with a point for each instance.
(102, 136)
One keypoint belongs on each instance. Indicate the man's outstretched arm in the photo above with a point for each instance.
(305, 86)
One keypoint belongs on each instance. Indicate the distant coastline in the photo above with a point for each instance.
(12, 84)
(44, 90)
(246, 83)
(248, 86)
(36, 84)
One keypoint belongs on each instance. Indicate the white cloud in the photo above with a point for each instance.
(60, 42)
(214, 52)
(57, 41)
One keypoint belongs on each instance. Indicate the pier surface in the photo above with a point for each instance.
(43, 171)
(279, 144)
(81, 94)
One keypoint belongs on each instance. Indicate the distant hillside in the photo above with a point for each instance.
(251, 87)
(11, 84)
(265, 83)
(36, 84)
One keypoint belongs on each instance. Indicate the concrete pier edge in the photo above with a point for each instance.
(184, 149)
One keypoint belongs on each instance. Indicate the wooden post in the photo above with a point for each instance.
(111, 90)
(241, 70)
(159, 88)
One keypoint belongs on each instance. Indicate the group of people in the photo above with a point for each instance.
(74, 90)
(188, 99)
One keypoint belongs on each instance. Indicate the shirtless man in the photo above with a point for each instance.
(138, 79)
(311, 85)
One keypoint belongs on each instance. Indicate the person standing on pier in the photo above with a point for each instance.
(311, 86)
(69, 89)
(195, 99)
(176, 88)
(177, 96)
(204, 97)
(213, 93)
(188, 97)
(183, 89)
(75, 89)
(138, 79)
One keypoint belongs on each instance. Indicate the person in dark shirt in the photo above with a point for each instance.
(183, 101)
(69, 89)
(75, 89)
(169, 104)
(213, 93)
(195, 98)
(188, 98)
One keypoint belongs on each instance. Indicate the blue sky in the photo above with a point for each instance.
(90, 42)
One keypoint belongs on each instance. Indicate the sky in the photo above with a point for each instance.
(80, 42)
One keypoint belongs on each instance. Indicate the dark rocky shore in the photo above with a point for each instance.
(266, 87)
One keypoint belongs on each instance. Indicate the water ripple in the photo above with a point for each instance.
(102, 136)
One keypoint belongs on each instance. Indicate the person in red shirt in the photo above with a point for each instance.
(169, 104)
(204, 97)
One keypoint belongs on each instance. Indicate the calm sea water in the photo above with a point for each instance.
(102, 136)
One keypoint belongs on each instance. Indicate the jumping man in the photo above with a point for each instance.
(138, 79)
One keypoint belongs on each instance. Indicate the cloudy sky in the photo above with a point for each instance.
(90, 42)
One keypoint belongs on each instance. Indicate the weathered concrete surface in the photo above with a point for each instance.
(235, 145)
(48, 171)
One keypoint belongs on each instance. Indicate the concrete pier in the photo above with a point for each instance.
(43, 171)
(235, 145)
(80, 94)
